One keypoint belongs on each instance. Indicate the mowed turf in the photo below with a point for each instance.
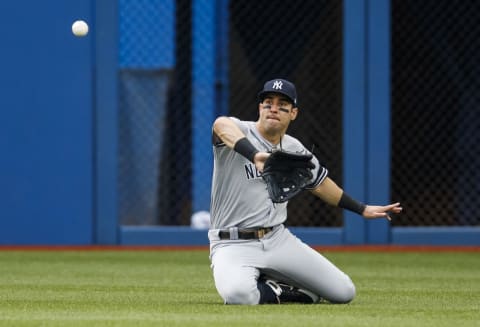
(175, 288)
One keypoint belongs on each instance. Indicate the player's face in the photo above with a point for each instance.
(276, 112)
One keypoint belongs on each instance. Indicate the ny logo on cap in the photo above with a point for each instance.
(277, 85)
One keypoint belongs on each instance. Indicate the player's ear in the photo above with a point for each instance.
(294, 113)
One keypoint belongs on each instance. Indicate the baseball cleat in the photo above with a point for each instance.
(287, 293)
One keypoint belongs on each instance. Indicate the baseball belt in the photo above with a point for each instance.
(244, 234)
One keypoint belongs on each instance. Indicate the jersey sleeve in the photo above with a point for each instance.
(217, 142)
(243, 125)
(319, 174)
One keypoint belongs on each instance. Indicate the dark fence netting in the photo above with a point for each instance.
(436, 111)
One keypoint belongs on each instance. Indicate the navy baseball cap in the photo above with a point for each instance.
(281, 86)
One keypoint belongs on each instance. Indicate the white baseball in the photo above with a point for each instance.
(80, 28)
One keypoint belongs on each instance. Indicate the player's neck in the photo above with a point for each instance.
(272, 136)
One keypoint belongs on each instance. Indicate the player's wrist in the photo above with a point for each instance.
(347, 202)
(244, 147)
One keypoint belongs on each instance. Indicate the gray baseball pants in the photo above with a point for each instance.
(279, 255)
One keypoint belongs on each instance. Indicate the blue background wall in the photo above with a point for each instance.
(58, 129)
(46, 131)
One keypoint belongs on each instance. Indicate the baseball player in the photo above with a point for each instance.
(255, 258)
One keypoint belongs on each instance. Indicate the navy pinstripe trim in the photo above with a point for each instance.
(322, 174)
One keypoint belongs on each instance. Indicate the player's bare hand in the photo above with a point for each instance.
(259, 159)
(372, 212)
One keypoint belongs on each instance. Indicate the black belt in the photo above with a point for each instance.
(246, 234)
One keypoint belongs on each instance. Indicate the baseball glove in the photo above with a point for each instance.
(287, 174)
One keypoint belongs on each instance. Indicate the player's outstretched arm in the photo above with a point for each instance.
(332, 194)
(328, 191)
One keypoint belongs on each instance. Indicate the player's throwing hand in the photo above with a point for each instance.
(373, 212)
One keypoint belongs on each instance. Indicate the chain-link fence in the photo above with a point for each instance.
(436, 111)
(154, 112)
(142, 126)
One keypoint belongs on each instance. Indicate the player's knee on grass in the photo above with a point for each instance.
(345, 293)
(239, 294)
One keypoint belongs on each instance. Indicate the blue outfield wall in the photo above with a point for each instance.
(314, 236)
(105, 213)
(46, 132)
(186, 236)
(354, 113)
(366, 112)
(436, 236)
(59, 130)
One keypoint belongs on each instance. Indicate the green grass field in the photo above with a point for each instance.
(175, 288)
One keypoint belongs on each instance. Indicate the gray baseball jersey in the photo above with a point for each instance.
(239, 194)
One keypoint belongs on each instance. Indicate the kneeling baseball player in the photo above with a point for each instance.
(257, 169)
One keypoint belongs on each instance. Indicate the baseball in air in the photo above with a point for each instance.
(80, 28)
